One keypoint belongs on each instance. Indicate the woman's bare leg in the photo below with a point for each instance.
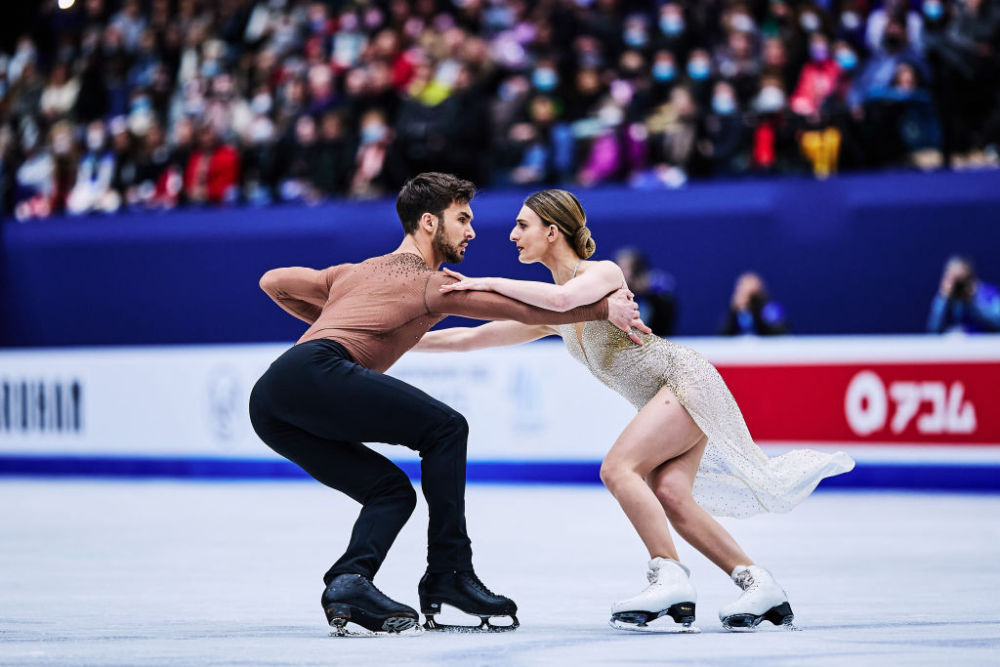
(662, 430)
(672, 482)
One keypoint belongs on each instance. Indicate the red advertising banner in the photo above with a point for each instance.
(884, 403)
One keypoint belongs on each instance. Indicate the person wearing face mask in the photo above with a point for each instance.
(773, 145)
(724, 132)
(851, 24)
(663, 77)
(635, 32)
(817, 79)
(838, 122)
(371, 177)
(699, 77)
(93, 190)
(672, 33)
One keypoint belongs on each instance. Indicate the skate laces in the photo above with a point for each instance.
(744, 579)
(479, 585)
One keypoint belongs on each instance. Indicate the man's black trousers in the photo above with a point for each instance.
(315, 406)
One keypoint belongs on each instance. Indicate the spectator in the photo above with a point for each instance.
(335, 159)
(674, 133)
(725, 132)
(213, 170)
(34, 181)
(372, 176)
(751, 310)
(653, 289)
(818, 78)
(94, 189)
(510, 92)
(963, 302)
(894, 11)
(59, 96)
(773, 145)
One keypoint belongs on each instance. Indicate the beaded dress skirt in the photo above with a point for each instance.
(735, 478)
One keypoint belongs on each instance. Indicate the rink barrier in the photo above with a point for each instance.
(895, 476)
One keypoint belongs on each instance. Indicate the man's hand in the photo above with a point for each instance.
(623, 312)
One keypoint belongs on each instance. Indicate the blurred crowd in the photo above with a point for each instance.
(135, 104)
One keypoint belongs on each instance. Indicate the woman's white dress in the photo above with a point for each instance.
(735, 477)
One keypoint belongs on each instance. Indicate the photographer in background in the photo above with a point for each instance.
(963, 303)
(751, 310)
(653, 289)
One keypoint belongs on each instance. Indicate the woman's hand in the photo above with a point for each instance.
(475, 284)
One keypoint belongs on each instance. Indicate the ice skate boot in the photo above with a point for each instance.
(465, 592)
(762, 600)
(669, 593)
(353, 598)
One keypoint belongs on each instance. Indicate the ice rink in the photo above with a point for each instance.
(115, 572)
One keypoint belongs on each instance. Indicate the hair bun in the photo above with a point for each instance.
(583, 243)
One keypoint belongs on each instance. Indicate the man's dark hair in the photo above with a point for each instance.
(430, 192)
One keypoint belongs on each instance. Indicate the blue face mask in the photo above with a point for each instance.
(671, 25)
(846, 59)
(933, 10)
(372, 133)
(635, 38)
(723, 104)
(664, 72)
(698, 70)
(544, 79)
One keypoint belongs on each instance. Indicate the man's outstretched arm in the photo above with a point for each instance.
(617, 308)
(299, 291)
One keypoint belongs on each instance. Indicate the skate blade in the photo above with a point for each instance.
(433, 625)
(661, 626)
(780, 616)
(395, 626)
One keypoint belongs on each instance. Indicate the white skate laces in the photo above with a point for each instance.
(762, 600)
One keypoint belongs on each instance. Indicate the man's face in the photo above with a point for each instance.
(453, 233)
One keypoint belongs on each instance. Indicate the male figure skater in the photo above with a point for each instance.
(322, 398)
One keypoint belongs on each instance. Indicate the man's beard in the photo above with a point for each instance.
(452, 254)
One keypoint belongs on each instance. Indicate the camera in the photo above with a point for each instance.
(961, 289)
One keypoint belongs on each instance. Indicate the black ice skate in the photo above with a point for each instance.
(465, 592)
(353, 598)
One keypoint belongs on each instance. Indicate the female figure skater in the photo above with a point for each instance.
(685, 456)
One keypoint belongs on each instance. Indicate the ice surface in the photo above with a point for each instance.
(208, 573)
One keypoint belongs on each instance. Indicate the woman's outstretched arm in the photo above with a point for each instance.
(491, 334)
(597, 282)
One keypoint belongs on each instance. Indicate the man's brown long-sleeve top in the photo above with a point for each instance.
(380, 308)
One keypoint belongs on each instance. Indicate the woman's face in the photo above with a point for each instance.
(530, 235)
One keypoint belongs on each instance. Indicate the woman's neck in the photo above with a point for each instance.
(564, 266)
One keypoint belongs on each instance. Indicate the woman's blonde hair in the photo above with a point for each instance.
(562, 209)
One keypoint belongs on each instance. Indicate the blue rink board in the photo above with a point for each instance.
(954, 477)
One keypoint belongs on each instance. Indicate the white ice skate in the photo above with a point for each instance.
(762, 600)
(669, 593)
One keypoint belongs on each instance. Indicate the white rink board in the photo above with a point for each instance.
(531, 402)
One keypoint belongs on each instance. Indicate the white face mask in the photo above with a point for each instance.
(743, 23)
(771, 98)
(95, 139)
(809, 22)
(850, 20)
